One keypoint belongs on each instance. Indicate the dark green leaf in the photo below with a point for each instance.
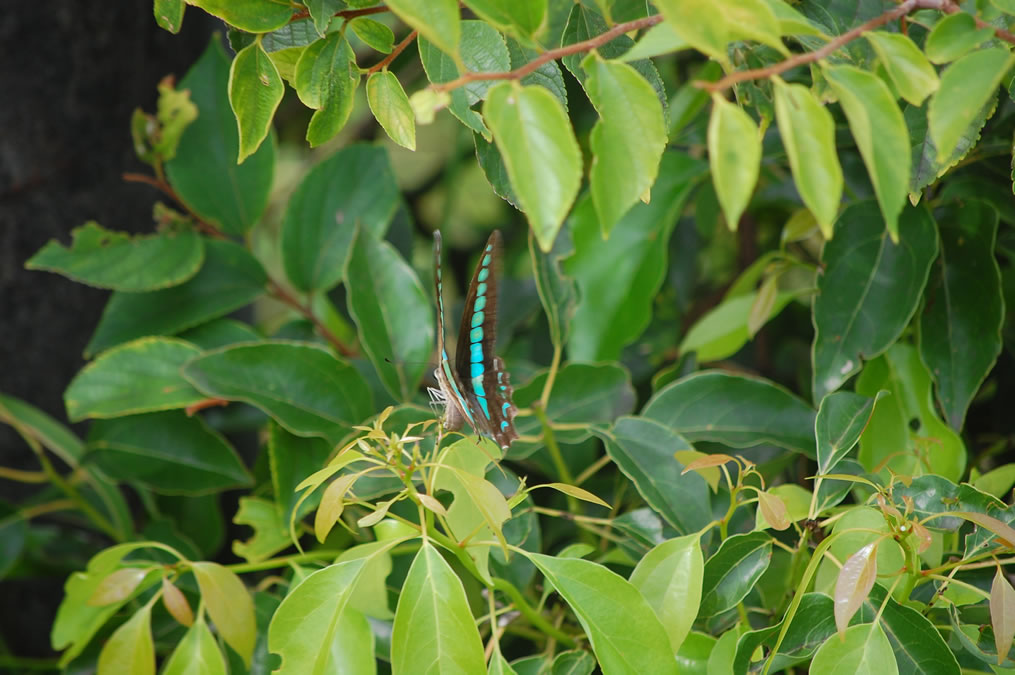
(811, 625)
(219, 333)
(291, 459)
(574, 662)
(557, 292)
(169, 14)
(732, 571)
(926, 167)
(918, 646)
(842, 417)
(547, 75)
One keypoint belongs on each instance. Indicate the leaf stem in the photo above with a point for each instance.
(551, 375)
(272, 563)
(399, 48)
(279, 292)
(534, 617)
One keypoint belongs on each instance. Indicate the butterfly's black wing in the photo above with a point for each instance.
(484, 382)
(456, 407)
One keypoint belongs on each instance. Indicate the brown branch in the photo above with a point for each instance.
(399, 48)
(552, 55)
(280, 293)
(167, 189)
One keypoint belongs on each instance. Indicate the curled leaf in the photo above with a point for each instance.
(1002, 614)
(708, 461)
(432, 504)
(774, 510)
(573, 491)
(856, 578)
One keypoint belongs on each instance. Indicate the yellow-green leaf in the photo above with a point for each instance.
(1002, 613)
(130, 649)
(734, 156)
(255, 90)
(573, 491)
(699, 24)
(252, 16)
(436, 20)
(229, 605)
(913, 76)
(391, 108)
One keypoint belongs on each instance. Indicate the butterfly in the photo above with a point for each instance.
(476, 389)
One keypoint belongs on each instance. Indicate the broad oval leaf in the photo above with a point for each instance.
(863, 650)
(914, 78)
(197, 653)
(856, 578)
(228, 603)
(918, 644)
(808, 134)
(809, 627)
(107, 259)
(520, 17)
(842, 417)
(669, 578)
(253, 16)
(625, 633)
(436, 20)
(374, 33)
(734, 156)
(140, 376)
(118, 586)
(130, 649)
(868, 290)
(325, 79)
(954, 36)
(726, 328)
(700, 24)
(543, 161)
(733, 570)
(391, 311)
(255, 90)
(734, 410)
(204, 171)
(302, 386)
(390, 106)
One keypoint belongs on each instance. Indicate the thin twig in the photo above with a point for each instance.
(383, 63)
(168, 190)
(280, 293)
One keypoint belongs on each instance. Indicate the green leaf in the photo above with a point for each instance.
(919, 647)
(863, 650)
(699, 23)
(220, 333)
(809, 627)
(141, 376)
(808, 133)
(255, 90)
(271, 532)
(169, 14)
(197, 653)
(734, 156)
(534, 136)
(130, 649)
(618, 279)
(204, 171)
(880, 133)
(322, 12)
(625, 633)
(574, 662)
(997, 482)
(434, 630)
(325, 79)
(926, 167)
(966, 86)
(734, 410)
(842, 417)
(229, 279)
(374, 33)
(643, 450)
(108, 259)
(356, 185)
(724, 329)
(669, 578)
(168, 451)
(791, 22)
(954, 36)
(291, 459)
(558, 293)
(253, 16)
(392, 313)
(904, 433)
(732, 571)
(627, 141)
(302, 386)
(519, 17)
(911, 74)
(229, 605)
(960, 326)
(869, 290)
(390, 106)
(658, 40)
(436, 20)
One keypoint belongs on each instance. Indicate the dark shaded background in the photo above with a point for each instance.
(71, 73)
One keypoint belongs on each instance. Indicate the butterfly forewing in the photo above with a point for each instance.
(456, 407)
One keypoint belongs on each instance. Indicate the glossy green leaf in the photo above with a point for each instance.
(911, 74)
(220, 333)
(534, 136)
(140, 376)
(960, 326)
(520, 17)
(322, 12)
(842, 417)
(966, 86)
(627, 141)
(926, 167)
(197, 653)
(734, 156)
(864, 650)
(643, 450)
(271, 532)
(669, 578)
(699, 24)
(810, 626)
(695, 652)
(625, 633)
(618, 279)
(391, 108)
(325, 79)
(291, 459)
(255, 90)
(169, 14)
(869, 290)
(997, 482)
(107, 259)
(253, 16)
(808, 133)
(229, 605)
(732, 571)
(558, 293)
(392, 313)
(130, 649)
(167, 451)
(354, 186)
(230, 279)
(574, 662)
(436, 20)
(302, 386)
(919, 647)
(374, 33)
(724, 329)
(954, 36)
(204, 171)
(880, 133)
(905, 434)
(734, 410)
(434, 630)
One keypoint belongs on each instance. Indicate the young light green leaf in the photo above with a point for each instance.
(434, 631)
(534, 135)
(117, 586)
(255, 90)
(753, 20)
(881, 136)
(229, 605)
(863, 650)
(325, 79)
(374, 33)
(130, 649)
(954, 36)
(197, 654)
(252, 16)
(432, 504)
(627, 142)
(176, 603)
(519, 17)
(808, 133)
(773, 509)
(669, 577)
(331, 506)
(1002, 613)
(391, 108)
(436, 20)
(658, 40)
(734, 156)
(966, 86)
(724, 329)
(913, 76)
(573, 491)
(856, 578)
(763, 305)
(699, 24)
